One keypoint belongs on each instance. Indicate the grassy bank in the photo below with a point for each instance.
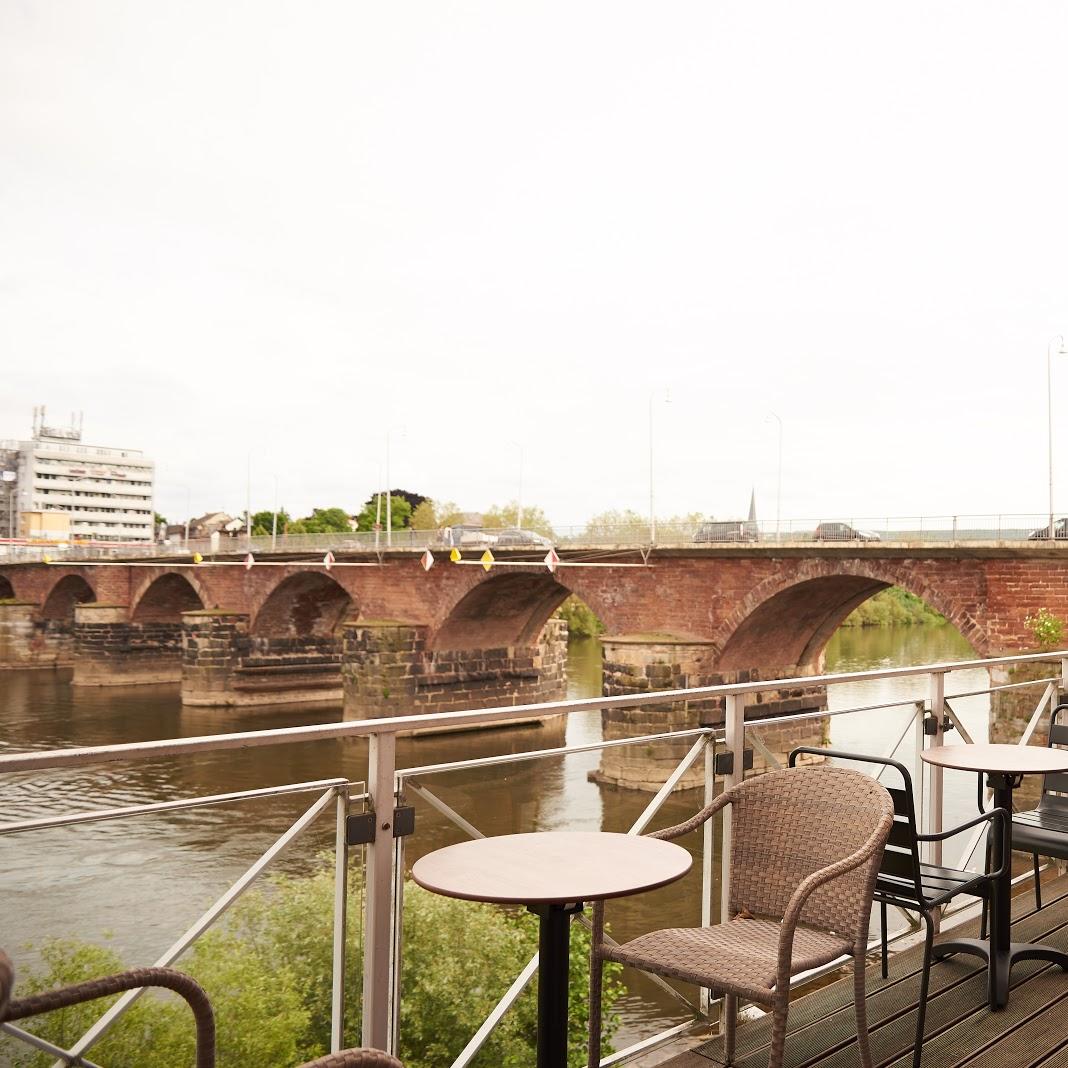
(893, 607)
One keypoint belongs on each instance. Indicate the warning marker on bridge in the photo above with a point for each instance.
(551, 560)
(328, 559)
(487, 560)
(249, 561)
(427, 560)
(197, 558)
(455, 556)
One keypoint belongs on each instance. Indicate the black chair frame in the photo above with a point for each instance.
(906, 881)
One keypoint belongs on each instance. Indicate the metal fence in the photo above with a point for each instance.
(926, 721)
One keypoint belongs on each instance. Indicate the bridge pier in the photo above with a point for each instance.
(27, 641)
(389, 671)
(646, 663)
(110, 650)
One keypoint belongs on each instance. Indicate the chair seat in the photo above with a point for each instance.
(743, 953)
(935, 882)
(1041, 830)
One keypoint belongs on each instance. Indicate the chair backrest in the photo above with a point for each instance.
(1055, 784)
(901, 855)
(785, 825)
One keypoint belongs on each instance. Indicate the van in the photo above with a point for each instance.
(726, 530)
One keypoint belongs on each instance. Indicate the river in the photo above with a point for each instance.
(137, 883)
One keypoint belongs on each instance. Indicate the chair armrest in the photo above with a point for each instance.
(355, 1058)
(998, 813)
(872, 847)
(697, 819)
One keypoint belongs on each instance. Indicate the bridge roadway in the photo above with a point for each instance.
(389, 637)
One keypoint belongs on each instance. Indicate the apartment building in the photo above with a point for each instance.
(106, 494)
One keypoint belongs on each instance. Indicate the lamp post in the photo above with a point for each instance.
(1061, 351)
(519, 500)
(778, 487)
(652, 503)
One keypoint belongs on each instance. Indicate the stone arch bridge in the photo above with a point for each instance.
(394, 637)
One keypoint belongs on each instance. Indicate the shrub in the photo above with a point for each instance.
(1046, 628)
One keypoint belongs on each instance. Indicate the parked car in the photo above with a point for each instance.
(1060, 530)
(514, 538)
(726, 530)
(464, 535)
(843, 532)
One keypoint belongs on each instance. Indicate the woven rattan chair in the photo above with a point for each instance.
(178, 982)
(805, 850)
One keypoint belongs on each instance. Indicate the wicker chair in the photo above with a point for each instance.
(178, 982)
(805, 851)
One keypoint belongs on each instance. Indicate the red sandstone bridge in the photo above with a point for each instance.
(393, 637)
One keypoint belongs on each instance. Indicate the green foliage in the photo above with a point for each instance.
(399, 508)
(157, 519)
(262, 522)
(507, 515)
(621, 526)
(1046, 628)
(581, 622)
(424, 517)
(267, 971)
(322, 521)
(893, 607)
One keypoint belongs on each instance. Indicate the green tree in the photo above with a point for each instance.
(424, 517)
(507, 515)
(581, 622)
(267, 971)
(157, 519)
(619, 526)
(399, 508)
(322, 521)
(262, 522)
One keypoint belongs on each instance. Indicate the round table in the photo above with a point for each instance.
(552, 873)
(1004, 766)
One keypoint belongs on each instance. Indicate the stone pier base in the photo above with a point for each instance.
(389, 671)
(29, 642)
(646, 664)
(109, 650)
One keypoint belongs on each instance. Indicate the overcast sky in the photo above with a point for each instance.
(284, 228)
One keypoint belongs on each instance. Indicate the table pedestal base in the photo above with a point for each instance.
(1000, 961)
(554, 940)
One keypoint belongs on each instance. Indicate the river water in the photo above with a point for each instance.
(137, 883)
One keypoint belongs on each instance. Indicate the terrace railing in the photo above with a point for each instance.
(924, 723)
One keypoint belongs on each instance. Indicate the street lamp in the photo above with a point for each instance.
(1061, 351)
(778, 489)
(519, 501)
(389, 492)
(652, 506)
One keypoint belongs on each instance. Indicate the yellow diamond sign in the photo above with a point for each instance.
(487, 560)
(454, 556)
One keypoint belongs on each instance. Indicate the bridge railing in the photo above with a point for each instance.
(852, 531)
(912, 720)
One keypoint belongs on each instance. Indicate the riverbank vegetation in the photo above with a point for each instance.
(893, 607)
(581, 622)
(267, 971)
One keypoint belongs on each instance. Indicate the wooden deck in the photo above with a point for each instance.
(1031, 1031)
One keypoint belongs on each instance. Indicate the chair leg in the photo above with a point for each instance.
(596, 973)
(986, 900)
(882, 932)
(925, 983)
(730, 1026)
(860, 1006)
(1038, 885)
(778, 1032)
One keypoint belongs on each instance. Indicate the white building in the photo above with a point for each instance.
(106, 493)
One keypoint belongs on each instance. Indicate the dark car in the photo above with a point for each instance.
(514, 538)
(1060, 530)
(842, 532)
(726, 530)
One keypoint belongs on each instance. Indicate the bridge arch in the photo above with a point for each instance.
(64, 595)
(164, 598)
(786, 621)
(503, 610)
(7, 591)
(302, 605)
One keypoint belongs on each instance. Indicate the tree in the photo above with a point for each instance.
(414, 499)
(400, 512)
(263, 522)
(159, 520)
(507, 515)
(617, 526)
(432, 515)
(322, 521)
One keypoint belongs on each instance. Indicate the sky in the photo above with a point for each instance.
(269, 236)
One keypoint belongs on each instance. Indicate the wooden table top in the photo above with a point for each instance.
(1005, 759)
(551, 867)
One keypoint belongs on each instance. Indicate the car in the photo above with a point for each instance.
(843, 532)
(726, 530)
(1060, 530)
(467, 535)
(514, 538)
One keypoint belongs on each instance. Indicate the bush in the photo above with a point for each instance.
(267, 971)
(1046, 628)
(893, 607)
(581, 622)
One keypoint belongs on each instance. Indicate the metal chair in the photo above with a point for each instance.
(905, 881)
(181, 984)
(798, 900)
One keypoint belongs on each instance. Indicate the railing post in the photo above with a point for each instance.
(937, 695)
(341, 890)
(734, 730)
(1062, 689)
(708, 852)
(378, 939)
